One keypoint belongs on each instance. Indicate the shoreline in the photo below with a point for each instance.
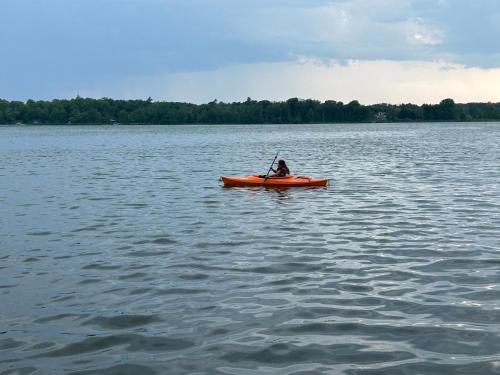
(271, 124)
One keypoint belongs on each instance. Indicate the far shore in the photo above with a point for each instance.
(105, 111)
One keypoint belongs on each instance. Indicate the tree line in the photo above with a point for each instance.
(109, 111)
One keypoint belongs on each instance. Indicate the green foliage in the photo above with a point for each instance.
(108, 111)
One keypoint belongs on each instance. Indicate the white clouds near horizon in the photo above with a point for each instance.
(370, 82)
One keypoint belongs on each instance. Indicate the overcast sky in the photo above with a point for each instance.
(199, 50)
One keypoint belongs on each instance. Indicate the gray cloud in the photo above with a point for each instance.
(458, 31)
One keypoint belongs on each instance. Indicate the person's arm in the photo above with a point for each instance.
(280, 173)
(271, 175)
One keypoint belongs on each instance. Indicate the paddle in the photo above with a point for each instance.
(271, 167)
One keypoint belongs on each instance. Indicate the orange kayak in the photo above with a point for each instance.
(288, 181)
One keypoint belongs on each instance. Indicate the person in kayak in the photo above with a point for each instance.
(282, 170)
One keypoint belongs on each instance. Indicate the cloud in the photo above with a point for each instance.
(420, 32)
(457, 31)
(57, 46)
(369, 82)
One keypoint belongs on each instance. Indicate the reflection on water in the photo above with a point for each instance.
(121, 252)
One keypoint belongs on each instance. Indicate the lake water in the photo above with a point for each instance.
(121, 253)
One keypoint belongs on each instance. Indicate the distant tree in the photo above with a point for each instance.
(447, 110)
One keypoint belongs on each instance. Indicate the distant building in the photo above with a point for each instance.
(381, 116)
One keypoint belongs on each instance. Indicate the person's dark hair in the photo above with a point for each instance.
(282, 164)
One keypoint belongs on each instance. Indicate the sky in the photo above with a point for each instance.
(374, 51)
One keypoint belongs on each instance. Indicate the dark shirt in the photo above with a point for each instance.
(282, 172)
